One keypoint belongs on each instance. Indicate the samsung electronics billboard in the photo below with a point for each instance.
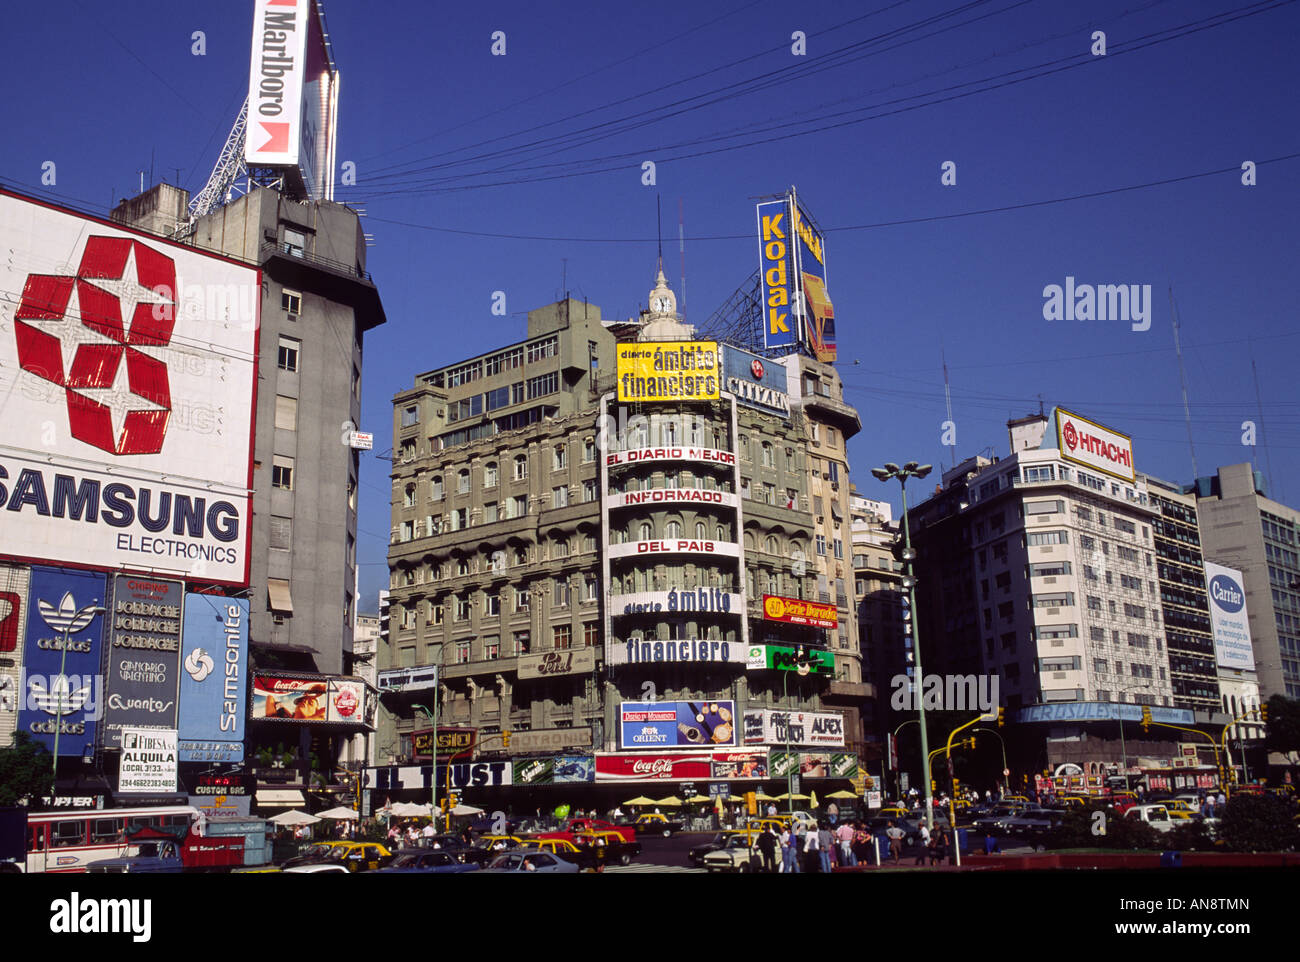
(127, 366)
(1228, 620)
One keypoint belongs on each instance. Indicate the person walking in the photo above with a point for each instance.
(767, 843)
(810, 850)
(939, 851)
(844, 834)
(825, 847)
(895, 836)
(789, 851)
(924, 844)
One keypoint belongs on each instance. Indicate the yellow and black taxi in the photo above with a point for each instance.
(360, 856)
(654, 822)
(585, 857)
(609, 846)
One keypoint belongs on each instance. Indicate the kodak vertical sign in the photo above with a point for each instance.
(776, 278)
(275, 83)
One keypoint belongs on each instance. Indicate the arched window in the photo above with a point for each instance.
(490, 474)
(770, 545)
(561, 548)
(673, 530)
(644, 532)
(720, 534)
(701, 530)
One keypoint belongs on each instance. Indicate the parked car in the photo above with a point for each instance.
(317, 868)
(738, 854)
(488, 847)
(1031, 824)
(410, 861)
(519, 861)
(576, 825)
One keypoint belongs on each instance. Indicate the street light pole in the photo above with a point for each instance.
(913, 470)
(78, 622)
(802, 667)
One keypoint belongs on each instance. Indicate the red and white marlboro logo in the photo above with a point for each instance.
(1093, 446)
(275, 81)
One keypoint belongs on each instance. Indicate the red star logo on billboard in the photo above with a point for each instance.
(1071, 435)
(97, 334)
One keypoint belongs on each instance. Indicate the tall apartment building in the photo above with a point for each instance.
(1242, 528)
(879, 600)
(1045, 571)
(318, 302)
(557, 554)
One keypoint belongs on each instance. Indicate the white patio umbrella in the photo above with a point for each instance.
(412, 810)
(466, 810)
(293, 817)
(339, 812)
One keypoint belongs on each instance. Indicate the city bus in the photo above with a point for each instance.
(71, 841)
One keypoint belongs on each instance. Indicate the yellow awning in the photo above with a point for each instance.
(278, 589)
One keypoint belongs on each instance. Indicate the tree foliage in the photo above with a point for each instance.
(26, 768)
(1260, 823)
(1283, 734)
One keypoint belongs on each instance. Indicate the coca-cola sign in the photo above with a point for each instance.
(654, 768)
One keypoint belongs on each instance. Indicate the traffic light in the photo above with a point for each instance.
(1002, 717)
(1146, 719)
(454, 799)
(505, 739)
(442, 803)
(934, 785)
(1263, 713)
(969, 743)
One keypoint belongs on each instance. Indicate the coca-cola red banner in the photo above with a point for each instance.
(654, 768)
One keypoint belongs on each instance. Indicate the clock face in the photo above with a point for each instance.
(661, 304)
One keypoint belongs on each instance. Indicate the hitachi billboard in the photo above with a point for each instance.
(1094, 446)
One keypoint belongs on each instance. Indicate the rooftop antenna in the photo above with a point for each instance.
(659, 229)
(947, 396)
(1182, 376)
(681, 244)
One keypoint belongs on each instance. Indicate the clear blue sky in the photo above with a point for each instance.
(548, 142)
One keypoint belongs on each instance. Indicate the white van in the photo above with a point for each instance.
(1157, 816)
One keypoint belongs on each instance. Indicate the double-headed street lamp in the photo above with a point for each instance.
(912, 470)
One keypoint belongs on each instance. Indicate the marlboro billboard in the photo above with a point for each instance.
(792, 611)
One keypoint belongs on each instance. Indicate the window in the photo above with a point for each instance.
(833, 469)
(560, 497)
(490, 474)
(701, 531)
(288, 356)
(543, 385)
(521, 556)
(435, 489)
(561, 548)
(521, 639)
(542, 349)
(281, 533)
(561, 594)
(839, 548)
(1044, 507)
(491, 605)
(282, 472)
(589, 588)
(462, 482)
(1044, 473)
(519, 506)
(462, 652)
(435, 615)
(589, 490)
(643, 533)
(1136, 611)
(521, 598)
(1047, 537)
(408, 498)
(769, 456)
(562, 636)
(821, 544)
(521, 467)
(589, 449)
(462, 609)
(492, 649)
(560, 458)
(498, 398)
(291, 301)
(410, 416)
(673, 529)
(588, 542)
(1094, 603)
(490, 513)
(295, 242)
(1065, 599)
(1100, 666)
(590, 634)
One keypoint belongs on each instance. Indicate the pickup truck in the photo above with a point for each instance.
(575, 826)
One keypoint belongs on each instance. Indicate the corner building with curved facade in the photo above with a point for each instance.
(586, 575)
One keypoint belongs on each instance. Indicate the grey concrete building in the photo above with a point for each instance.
(317, 304)
(1242, 528)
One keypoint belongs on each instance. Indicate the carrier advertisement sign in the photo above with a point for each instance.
(214, 674)
(149, 761)
(776, 278)
(66, 610)
(654, 371)
(127, 369)
(1232, 648)
(793, 611)
(1093, 446)
(676, 724)
(144, 648)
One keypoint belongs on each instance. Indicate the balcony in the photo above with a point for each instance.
(835, 412)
